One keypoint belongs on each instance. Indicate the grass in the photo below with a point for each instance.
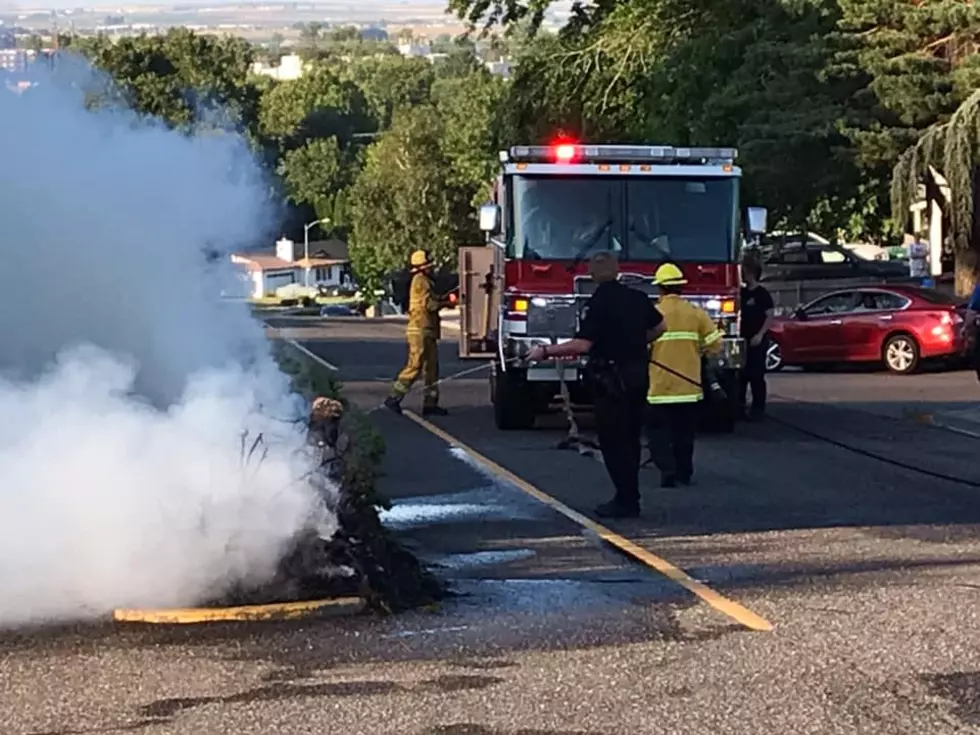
(362, 466)
(395, 580)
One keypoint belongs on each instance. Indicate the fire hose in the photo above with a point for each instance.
(573, 440)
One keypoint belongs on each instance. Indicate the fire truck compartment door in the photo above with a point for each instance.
(478, 266)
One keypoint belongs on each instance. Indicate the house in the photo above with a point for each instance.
(327, 266)
(290, 67)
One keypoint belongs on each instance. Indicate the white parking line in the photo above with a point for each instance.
(312, 356)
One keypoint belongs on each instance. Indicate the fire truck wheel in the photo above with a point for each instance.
(513, 408)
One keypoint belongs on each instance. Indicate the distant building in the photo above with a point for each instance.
(16, 61)
(290, 67)
(499, 68)
(413, 50)
(328, 265)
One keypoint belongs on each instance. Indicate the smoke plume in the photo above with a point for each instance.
(125, 382)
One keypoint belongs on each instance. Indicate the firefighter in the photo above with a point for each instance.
(618, 323)
(673, 400)
(422, 335)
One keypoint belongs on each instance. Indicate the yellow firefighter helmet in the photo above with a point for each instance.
(419, 258)
(669, 275)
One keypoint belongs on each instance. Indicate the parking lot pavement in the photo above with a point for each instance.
(868, 571)
(810, 520)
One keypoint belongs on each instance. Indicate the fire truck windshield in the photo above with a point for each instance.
(640, 218)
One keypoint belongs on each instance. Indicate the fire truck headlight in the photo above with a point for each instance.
(713, 305)
(539, 302)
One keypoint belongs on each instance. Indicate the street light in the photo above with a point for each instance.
(306, 243)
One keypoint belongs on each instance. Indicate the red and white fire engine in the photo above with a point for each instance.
(556, 206)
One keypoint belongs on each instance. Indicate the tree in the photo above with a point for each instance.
(180, 77)
(472, 133)
(405, 198)
(316, 174)
(913, 63)
(391, 82)
(953, 149)
(317, 105)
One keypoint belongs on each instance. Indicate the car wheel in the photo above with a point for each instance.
(901, 354)
(774, 358)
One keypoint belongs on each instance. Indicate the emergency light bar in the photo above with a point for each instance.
(572, 153)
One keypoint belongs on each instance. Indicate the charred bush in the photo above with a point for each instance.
(361, 557)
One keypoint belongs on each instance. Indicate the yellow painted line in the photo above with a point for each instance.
(244, 613)
(732, 609)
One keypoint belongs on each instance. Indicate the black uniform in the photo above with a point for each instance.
(755, 303)
(616, 321)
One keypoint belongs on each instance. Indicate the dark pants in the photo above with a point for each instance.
(670, 432)
(754, 376)
(619, 426)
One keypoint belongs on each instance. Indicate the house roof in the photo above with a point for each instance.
(262, 262)
(322, 252)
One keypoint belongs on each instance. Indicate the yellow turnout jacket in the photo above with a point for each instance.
(690, 332)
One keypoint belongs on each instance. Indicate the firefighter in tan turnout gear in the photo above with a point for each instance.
(675, 378)
(422, 335)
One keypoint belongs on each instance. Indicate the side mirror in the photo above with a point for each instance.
(756, 219)
(490, 218)
(799, 314)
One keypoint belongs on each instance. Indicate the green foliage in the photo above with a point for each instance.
(391, 82)
(317, 105)
(180, 77)
(471, 129)
(407, 197)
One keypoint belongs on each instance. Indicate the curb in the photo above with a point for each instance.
(335, 606)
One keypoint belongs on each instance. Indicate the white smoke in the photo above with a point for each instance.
(126, 382)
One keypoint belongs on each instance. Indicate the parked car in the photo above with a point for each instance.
(337, 310)
(797, 259)
(898, 325)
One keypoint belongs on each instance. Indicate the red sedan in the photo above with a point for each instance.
(897, 325)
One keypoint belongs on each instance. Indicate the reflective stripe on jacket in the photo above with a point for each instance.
(423, 306)
(690, 332)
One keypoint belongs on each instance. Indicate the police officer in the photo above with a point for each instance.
(617, 326)
(422, 335)
(675, 378)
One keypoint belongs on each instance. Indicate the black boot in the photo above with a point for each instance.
(394, 404)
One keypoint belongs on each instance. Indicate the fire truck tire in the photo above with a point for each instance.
(513, 408)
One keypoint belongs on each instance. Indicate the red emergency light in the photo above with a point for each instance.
(564, 152)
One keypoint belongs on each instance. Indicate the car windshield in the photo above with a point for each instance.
(641, 218)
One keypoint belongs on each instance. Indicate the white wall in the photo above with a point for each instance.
(330, 275)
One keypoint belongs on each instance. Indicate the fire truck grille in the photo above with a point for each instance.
(585, 286)
(553, 316)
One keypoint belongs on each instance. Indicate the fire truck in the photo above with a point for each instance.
(555, 206)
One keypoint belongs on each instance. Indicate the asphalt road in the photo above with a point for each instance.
(869, 571)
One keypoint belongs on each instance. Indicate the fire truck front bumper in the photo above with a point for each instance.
(732, 355)
(516, 349)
